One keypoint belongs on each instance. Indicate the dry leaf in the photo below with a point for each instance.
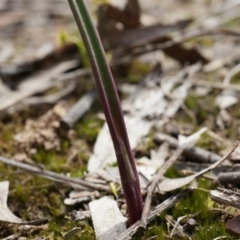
(234, 224)
(5, 214)
(168, 184)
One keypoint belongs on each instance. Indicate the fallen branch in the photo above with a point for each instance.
(228, 197)
(51, 99)
(229, 178)
(168, 184)
(196, 153)
(54, 176)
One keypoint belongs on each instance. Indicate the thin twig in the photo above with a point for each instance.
(54, 176)
(177, 226)
(196, 153)
(167, 184)
(155, 212)
(173, 158)
(51, 99)
(154, 182)
(195, 34)
(211, 167)
(216, 85)
(229, 178)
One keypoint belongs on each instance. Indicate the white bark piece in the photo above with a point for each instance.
(225, 101)
(5, 214)
(107, 219)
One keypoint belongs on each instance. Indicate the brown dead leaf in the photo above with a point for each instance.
(234, 224)
(127, 17)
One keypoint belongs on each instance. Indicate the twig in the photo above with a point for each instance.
(54, 176)
(235, 70)
(214, 165)
(191, 35)
(220, 85)
(229, 178)
(51, 99)
(155, 180)
(220, 237)
(74, 75)
(173, 158)
(155, 212)
(196, 153)
(168, 184)
(78, 109)
(177, 226)
(228, 198)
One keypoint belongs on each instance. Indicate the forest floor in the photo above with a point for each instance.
(177, 69)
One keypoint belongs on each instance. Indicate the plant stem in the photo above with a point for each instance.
(112, 109)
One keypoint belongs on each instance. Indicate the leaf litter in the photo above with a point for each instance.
(161, 97)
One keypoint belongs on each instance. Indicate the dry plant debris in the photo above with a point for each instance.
(185, 53)
(6, 215)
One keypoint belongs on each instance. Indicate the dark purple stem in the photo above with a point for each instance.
(112, 109)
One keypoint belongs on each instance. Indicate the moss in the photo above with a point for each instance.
(158, 232)
(137, 70)
(205, 42)
(54, 232)
(191, 101)
(233, 23)
(171, 173)
(196, 206)
(202, 107)
(52, 160)
(211, 230)
(238, 114)
(236, 79)
(88, 128)
(150, 140)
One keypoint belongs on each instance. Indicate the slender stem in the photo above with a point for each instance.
(112, 109)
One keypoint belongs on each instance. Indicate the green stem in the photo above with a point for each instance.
(112, 109)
